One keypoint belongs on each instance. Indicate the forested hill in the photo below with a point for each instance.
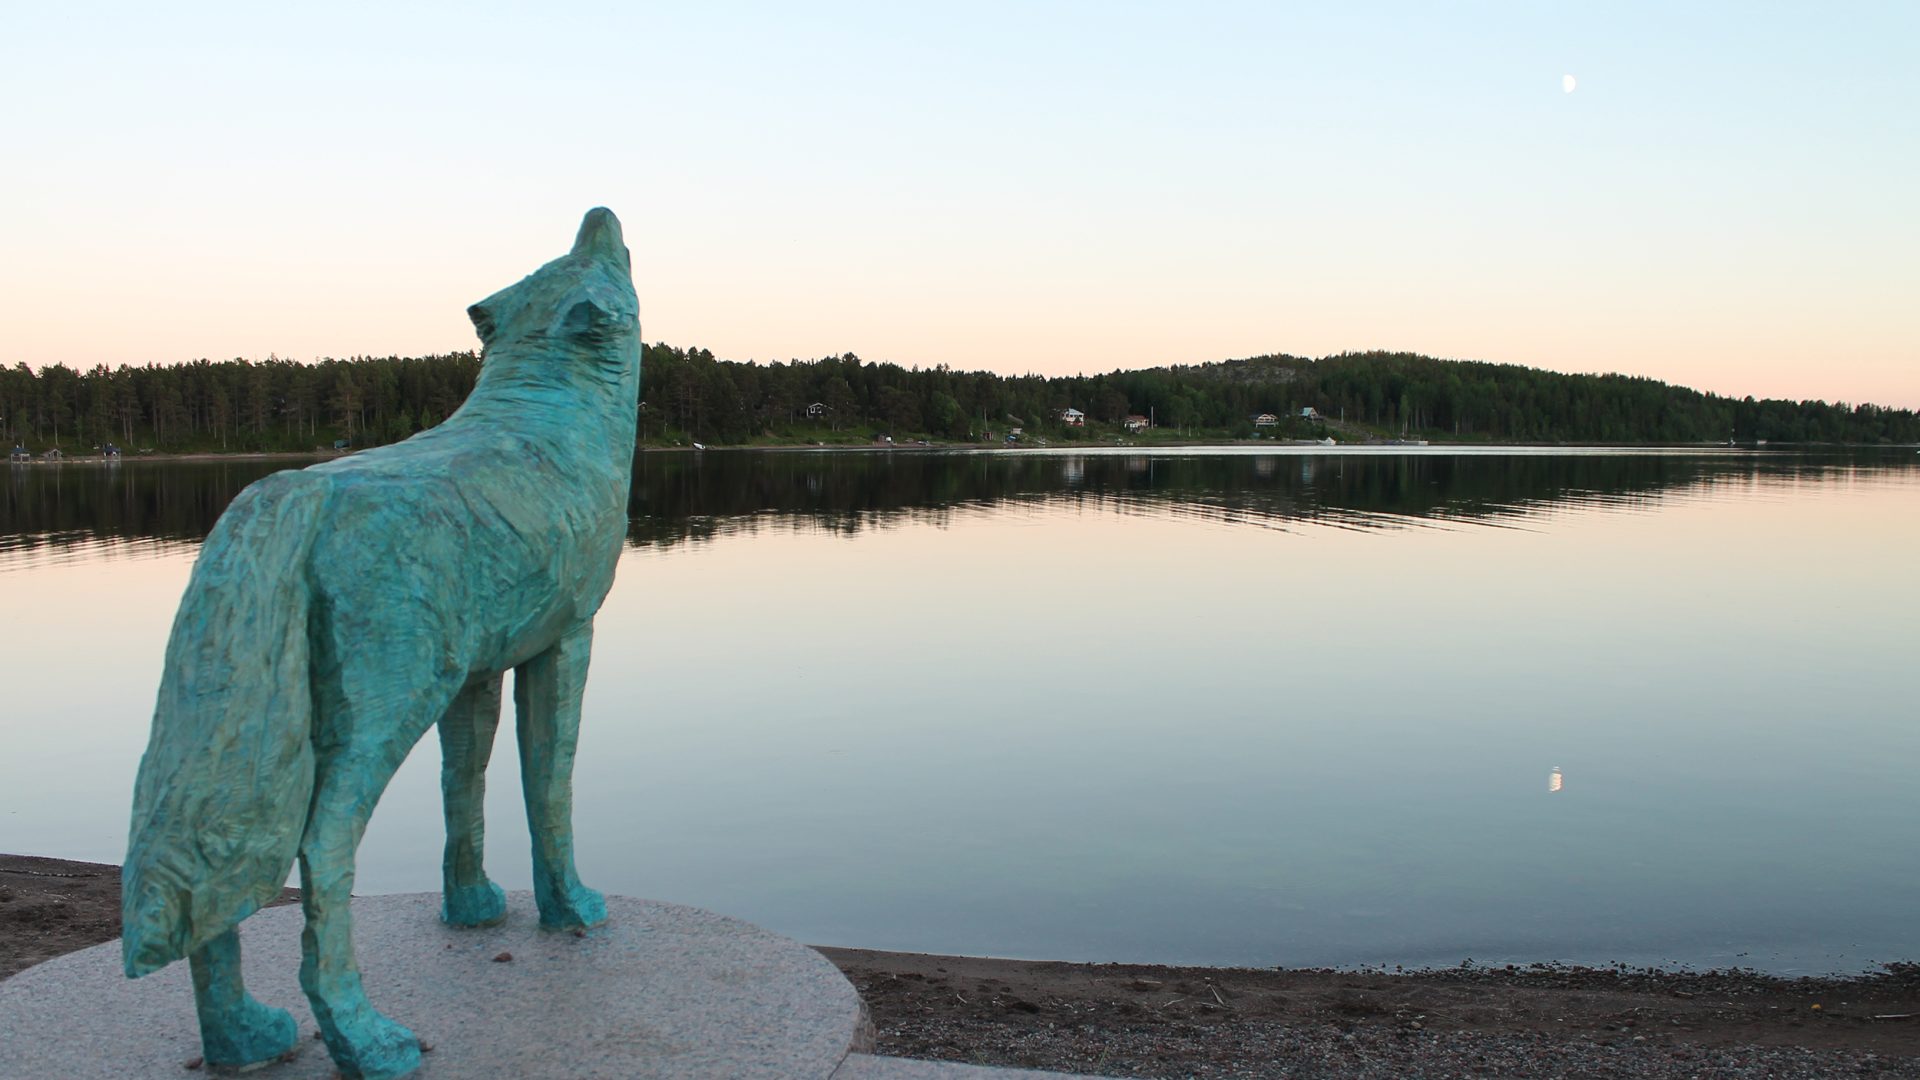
(690, 395)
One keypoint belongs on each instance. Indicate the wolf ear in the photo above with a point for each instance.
(482, 322)
(588, 320)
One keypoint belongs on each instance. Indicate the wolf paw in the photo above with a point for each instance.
(252, 1034)
(473, 905)
(576, 908)
(373, 1048)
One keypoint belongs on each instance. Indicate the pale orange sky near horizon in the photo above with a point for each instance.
(1723, 203)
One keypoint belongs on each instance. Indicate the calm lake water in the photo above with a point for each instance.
(1219, 707)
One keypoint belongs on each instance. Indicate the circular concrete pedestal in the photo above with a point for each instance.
(659, 991)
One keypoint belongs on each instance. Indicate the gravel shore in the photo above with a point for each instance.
(1132, 1020)
(1138, 1020)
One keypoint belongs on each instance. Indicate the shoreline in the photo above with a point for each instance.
(1159, 1020)
(1063, 446)
(201, 455)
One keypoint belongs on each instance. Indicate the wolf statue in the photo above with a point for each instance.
(339, 611)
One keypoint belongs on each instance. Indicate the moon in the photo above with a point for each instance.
(1567, 83)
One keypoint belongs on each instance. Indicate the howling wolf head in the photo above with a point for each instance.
(580, 306)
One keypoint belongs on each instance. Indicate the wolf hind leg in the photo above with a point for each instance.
(547, 691)
(235, 1029)
(353, 769)
(365, 1044)
(469, 898)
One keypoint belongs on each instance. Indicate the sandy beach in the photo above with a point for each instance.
(1151, 1021)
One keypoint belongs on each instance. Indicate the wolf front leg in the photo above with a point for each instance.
(546, 697)
(235, 1030)
(468, 898)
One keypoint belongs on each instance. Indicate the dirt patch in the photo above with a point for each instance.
(49, 907)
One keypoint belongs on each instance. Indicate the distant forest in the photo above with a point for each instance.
(689, 395)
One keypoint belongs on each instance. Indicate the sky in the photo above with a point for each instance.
(1725, 200)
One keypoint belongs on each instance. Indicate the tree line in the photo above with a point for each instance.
(690, 395)
(236, 405)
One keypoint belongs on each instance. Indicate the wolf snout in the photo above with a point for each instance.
(600, 235)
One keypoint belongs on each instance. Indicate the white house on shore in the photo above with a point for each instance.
(1265, 419)
(1136, 423)
(1073, 417)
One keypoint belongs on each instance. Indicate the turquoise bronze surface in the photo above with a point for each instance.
(337, 612)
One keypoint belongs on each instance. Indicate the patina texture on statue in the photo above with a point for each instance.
(338, 612)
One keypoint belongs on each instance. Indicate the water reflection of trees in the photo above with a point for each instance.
(51, 509)
(680, 498)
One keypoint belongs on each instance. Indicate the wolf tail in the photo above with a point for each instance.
(221, 798)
